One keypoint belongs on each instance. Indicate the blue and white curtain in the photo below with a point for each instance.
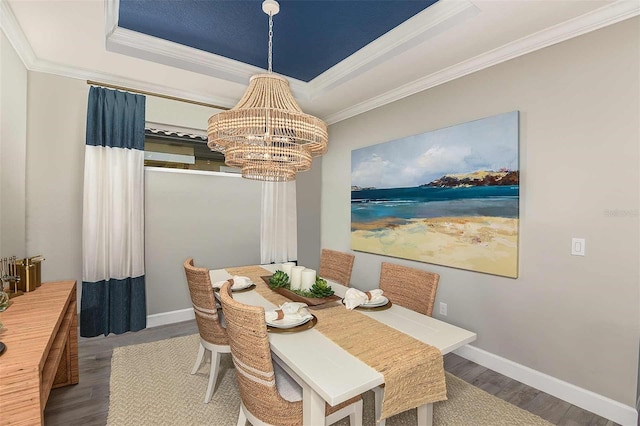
(278, 223)
(113, 285)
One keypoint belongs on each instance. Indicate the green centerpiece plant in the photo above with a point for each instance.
(279, 280)
(319, 289)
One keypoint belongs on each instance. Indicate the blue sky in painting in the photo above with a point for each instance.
(486, 144)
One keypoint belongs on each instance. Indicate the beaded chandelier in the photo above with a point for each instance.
(266, 134)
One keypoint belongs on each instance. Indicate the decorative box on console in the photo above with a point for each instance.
(29, 271)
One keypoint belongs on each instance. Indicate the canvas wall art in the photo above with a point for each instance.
(448, 197)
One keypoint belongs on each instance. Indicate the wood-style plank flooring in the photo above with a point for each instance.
(87, 403)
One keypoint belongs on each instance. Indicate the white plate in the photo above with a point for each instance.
(287, 323)
(237, 287)
(377, 303)
(218, 285)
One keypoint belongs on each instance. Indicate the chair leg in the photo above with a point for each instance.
(242, 418)
(379, 394)
(199, 359)
(213, 375)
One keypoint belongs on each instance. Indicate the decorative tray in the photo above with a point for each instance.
(372, 308)
(306, 326)
(310, 301)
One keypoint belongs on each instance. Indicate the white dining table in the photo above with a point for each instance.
(341, 375)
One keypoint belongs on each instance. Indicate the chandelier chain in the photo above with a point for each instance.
(270, 40)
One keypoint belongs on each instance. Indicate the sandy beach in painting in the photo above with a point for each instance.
(480, 243)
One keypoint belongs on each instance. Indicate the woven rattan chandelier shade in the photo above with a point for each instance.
(266, 134)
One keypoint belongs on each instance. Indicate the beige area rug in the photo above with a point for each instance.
(151, 385)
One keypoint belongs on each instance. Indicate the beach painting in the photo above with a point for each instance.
(448, 197)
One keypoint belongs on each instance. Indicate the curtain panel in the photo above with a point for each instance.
(113, 284)
(278, 223)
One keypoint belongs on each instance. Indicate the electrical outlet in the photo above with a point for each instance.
(443, 309)
(578, 246)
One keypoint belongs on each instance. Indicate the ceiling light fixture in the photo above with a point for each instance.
(266, 134)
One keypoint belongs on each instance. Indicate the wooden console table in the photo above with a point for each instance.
(41, 335)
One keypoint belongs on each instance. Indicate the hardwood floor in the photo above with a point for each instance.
(87, 403)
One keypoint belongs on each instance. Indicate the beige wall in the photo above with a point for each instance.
(55, 167)
(13, 137)
(213, 219)
(574, 318)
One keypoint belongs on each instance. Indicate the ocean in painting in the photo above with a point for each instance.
(374, 205)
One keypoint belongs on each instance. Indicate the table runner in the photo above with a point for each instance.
(413, 371)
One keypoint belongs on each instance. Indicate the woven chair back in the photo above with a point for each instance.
(251, 354)
(336, 266)
(412, 288)
(204, 304)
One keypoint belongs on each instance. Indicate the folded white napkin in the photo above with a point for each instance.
(289, 311)
(354, 297)
(238, 282)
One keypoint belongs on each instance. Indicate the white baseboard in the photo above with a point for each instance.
(591, 401)
(164, 318)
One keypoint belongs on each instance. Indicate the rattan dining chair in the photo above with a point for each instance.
(213, 336)
(336, 266)
(269, 395)
(412, 288)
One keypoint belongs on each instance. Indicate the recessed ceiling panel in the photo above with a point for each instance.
(309, 36)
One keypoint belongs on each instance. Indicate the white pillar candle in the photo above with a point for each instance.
(286, 268)
(296, 277)
(308, 279)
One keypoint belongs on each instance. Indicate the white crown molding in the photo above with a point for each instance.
(434, 20)
(111, 16)
(580, 397)
(599, 18)
(607, 15)
(15, 35)
(142, 46)
(81, 74)
(427, 24)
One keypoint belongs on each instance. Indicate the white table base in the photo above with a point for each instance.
(313, 407)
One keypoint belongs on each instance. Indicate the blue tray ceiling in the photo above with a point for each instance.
(309, 36)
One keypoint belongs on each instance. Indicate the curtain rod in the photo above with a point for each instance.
(158, 95)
